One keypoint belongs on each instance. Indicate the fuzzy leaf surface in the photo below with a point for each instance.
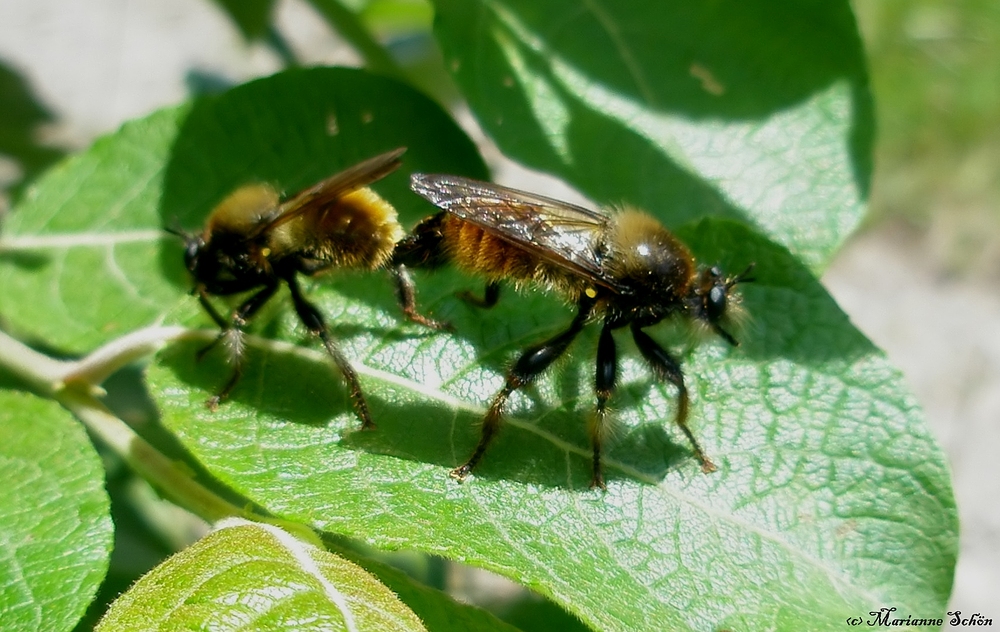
(250, 577)
(86, 257)
(55, 522)
(831, 498)
(745, 109)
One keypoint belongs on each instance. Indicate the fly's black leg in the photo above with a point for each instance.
(424, 248)
(214, 400)
(490, 296)
(665, 367)
(207, 304)
(224, 326)
(313, 321)
(240, 316)
(529, 366)
(604, 386)
(233, 330)
(406, 295)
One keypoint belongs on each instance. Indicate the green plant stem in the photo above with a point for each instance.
(145, 460)
(347, 24)
(74, 385)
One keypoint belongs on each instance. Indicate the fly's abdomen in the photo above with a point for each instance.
(478, 250)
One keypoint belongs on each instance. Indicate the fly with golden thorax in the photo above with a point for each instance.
(623, 269)
(253, 242)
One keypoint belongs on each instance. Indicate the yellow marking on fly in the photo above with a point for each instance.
(590, 292)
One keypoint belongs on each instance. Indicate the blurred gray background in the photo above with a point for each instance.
(921, 279)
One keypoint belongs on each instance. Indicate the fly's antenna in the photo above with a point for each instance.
(175, 229)
(742, 277)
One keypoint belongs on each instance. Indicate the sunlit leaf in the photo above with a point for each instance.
(831, 493)
(751, 110)
(55, 522)
(831, 497)
(252, 577)
(85, 257)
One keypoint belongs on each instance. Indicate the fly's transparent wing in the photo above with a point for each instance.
(563, 234)
(336, 186)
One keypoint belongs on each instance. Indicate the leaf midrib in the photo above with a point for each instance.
(834, 575)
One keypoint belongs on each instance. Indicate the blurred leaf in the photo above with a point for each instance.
(55, 525)
(437, 611)
(531, 613)
(750, 110)
(832, 497)
(20, 116)
(85, 257)
(938, 155)
(398, 15)
(252, 17)
(251, 577)
(345, 20)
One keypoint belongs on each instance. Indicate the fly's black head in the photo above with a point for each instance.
(193, 245)
(220, 264)
(713, 298)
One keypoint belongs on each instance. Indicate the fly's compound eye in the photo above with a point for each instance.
(714, 293)
(715, 305)
(191, 250)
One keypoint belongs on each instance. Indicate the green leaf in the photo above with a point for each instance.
(748, 110)
(85, 258)
(255, 577)
(437, 611)
(832, 497)
(55, 521)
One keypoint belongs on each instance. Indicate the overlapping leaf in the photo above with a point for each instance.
(86, 258)
(52, 507)
(294, 586)
(831, 496)
(747, 109)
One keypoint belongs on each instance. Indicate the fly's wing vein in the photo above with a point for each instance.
(336, 186)
(563, 234)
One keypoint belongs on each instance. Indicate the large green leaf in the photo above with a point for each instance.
(85, 258)
(55, 522)
(832, 498)
(749, 109)
(252, 577)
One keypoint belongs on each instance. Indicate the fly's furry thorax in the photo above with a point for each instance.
(645, 256)
(358, 230)
(243, 210)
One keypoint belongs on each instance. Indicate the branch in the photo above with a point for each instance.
(75, 384)
(346, 23)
